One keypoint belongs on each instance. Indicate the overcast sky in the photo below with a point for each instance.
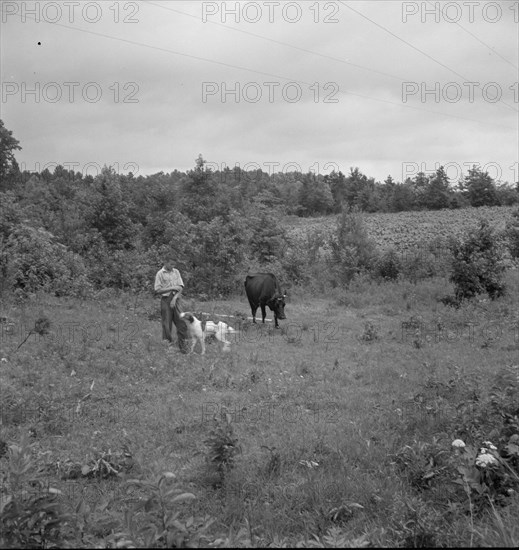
(280, 84)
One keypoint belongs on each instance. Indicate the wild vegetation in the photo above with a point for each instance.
(384, 412)
(74, 234)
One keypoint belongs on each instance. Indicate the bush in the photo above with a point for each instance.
(388, 265)
(430, 258)
(216, 254)
(512, 234)
(352, 251)
(302, 259)
(418, 267)
(12, 214)
(34, 261)
(32, 516)
(477, 264)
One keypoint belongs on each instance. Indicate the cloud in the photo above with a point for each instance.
(152, 74)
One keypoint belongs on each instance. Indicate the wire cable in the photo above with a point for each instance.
(418, 50)
(264, 73)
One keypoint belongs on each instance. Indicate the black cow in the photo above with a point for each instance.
(263, 290)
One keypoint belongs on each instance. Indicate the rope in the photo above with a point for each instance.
(233, 316)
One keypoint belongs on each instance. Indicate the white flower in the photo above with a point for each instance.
(489, 445)
(458, 443)
(4, 360)
(485, 460)
(309, 463)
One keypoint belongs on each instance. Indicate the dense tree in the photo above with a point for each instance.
(419, 184)
(288, 190)
(200, 193)
(351, 251)
(315, 197)
(355, 182)
(267, 240)
(109, 211)
(480, 188)
(437, 192)
(337, 183)
(506, 194)
(9, 170)
(403, 197)
(217, 224)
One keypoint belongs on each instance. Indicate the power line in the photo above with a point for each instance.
(298, 81)
(481, 42)
(402, 40)
(416, 49)
(332, 58)
(325, 56)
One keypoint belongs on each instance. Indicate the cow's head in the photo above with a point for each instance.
(277, 305)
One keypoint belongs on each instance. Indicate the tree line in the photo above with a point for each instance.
(69, 233)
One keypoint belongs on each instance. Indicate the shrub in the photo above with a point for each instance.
(158, 520)
(352, 251)
(388, 265)
(217, 254)
(302, 258)
(31, 515)
(512, 234)
(12, 214)
(38, 262)
(268, 238)
(477, 264)
(370, 332)
(223, 446)
(430, 259)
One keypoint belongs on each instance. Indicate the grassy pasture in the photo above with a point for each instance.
(343, 418)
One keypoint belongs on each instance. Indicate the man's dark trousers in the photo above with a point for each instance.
(170, 316)
(167, 317)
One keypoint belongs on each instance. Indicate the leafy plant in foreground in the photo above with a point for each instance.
(485, 473)
(30, 513)
(223, 446)
(158, 520)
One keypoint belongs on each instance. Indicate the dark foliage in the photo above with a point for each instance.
(71, 234)
(477, 265)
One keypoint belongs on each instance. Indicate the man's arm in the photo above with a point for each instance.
(177, 280)
(162, 286)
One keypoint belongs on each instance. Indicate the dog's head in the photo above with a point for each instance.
(188, 317)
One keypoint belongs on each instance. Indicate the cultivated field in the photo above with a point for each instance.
(407, 230)
(335, 430)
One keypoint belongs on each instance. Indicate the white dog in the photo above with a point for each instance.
(198, 332)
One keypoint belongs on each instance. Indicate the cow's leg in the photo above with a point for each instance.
(276, 321)
(263, 313)
(253, 310)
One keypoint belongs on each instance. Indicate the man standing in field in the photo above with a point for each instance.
(169, 284)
